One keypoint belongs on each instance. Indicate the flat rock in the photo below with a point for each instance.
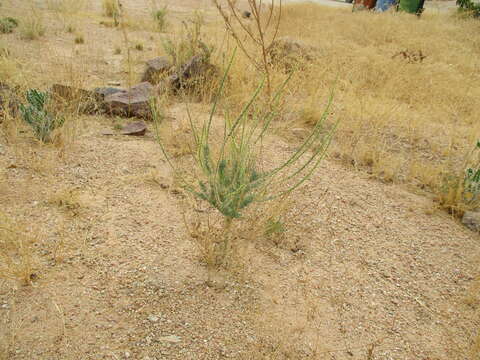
(471, 219)
(137, 128)
(155, 69)
(134, 102)
(103, 92)
(171, 339)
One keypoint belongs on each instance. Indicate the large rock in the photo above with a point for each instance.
(193, 73)
(471, 219)
(156, 68)
(290, 53)
(134, 102)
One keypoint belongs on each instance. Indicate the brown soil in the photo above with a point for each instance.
(367, 270)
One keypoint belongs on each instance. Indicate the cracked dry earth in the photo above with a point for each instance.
(371, 274)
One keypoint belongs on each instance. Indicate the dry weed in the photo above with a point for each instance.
(15, 252)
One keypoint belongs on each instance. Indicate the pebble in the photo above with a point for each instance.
(153, 318)
(171, 339)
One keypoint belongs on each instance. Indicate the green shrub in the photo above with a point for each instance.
(7, 25)
(461, 192)
(35, 114)
(228, 171)
(469, 6)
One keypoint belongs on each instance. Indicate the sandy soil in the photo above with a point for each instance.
(365, 270)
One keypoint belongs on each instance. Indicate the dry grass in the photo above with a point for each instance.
(15, 252)
(111, 8)
(402, 120)
(32, 26)
(67, 6)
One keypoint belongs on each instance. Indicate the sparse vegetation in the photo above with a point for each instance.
(348, 267)
(112, 8)
(461, 192)
(262, 34)
(79, 39)
(66, 6)
(7, 25)
(139, 47)
(32, 27)
(37, 115)
(160, 18)
(229, 169)
(15, 252)
(189, 44)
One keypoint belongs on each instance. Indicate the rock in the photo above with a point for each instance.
(83, 100)
(171, 339)
(133, 102)
(137, 128)
(155, 69)
(195, 71)
(103, 92)
(107, 133)
(246, 14)
(471, 219)
(290, 53)
(152, 318)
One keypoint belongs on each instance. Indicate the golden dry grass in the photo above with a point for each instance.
(15, 252)
(401, 119)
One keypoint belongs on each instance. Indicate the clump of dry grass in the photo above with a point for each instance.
(66, 200)
(32, 26)
(111, 8)
(15, 252)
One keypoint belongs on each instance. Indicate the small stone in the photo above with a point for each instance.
(171, 339)
(246, 14)
(153, 318)
(137, 128)
(127, 355)
(471, 219)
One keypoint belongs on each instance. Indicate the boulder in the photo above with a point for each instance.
(155, 69)
(471, 219)
(290, 53)
(134, 102)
